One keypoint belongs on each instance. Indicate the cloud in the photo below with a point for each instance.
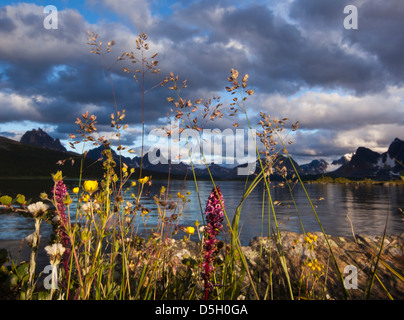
(337, 110)
(301, 61)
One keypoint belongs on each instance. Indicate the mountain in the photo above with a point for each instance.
(343, 160)
(40, 138)
(366, 163)
(315, 167)
(96, 154)
(38, 153)
(24, 160)
(321, 167)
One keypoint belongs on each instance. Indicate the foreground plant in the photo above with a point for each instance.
(55, 253)
(214, 223)
(37, 210)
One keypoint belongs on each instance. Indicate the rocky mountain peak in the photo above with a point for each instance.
(40, 138)
(396, 150)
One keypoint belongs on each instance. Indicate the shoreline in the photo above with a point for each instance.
(358, 251)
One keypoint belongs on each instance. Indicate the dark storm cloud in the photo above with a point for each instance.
(49, 76)
(280, 56)
(376, 59)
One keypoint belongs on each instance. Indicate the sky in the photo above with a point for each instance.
(339, 73)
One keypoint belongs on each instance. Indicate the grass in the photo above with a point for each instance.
(99, 254)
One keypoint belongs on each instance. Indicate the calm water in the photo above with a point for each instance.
(367, 207)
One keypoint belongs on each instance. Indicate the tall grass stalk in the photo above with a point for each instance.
(340, 277)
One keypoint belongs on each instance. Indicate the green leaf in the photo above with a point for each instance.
(6, 200)
(22, 270)
(20, 199)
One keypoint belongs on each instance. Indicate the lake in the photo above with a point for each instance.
(366, 206)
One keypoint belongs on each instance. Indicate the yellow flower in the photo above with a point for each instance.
(190, 230)
(143, 180)
(76, 190)
(145, 211)
(315, 265)
(179, 195)
(133, 184)
(86, 198)
(124, 169)
(90, 186)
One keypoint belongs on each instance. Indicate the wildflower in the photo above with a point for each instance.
(60, 194)
(214, 218)
(88, 206)
(310, 238)
(55, 252)
(133, 184)
(190, 230)
(145, 211)
(76, 190)
(144, 180)
(85, 235)
(86, 198)
(44, 196)
(124, 169)
(38, 209)
(315, 265)
(90, 186)
(57, 176)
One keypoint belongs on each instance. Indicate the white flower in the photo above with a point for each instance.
(55, 252)
(30, 239)
(38, 208)
(88, 206)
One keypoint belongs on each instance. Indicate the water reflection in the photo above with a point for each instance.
(366, 206)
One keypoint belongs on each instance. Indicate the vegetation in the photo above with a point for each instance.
(96, 253)
(341, 180)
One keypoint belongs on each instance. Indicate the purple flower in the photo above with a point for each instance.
(59, 192)
(214, 219)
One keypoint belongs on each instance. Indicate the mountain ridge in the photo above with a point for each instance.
(364, 163)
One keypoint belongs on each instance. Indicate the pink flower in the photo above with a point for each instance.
(60, 191)
(214, 219)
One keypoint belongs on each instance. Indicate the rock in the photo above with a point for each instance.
(301, 254)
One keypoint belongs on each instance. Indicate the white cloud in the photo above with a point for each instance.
(334, 110)
(13, 105)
